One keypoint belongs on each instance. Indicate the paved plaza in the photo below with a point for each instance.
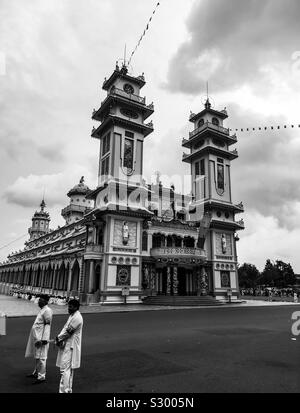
(14, 307)
(241, 348)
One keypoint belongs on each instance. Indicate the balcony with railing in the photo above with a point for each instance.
(178, 252)
(209, 125)
(94, 248)
(224, 152)
(93, 251)
(122, 93)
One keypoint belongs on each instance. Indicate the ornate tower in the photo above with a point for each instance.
(210, 159)
(79, 205)
(40, 223)
(122, 131)
(120, 199)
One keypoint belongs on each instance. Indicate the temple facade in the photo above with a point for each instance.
(129, 239)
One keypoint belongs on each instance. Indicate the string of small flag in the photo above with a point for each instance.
(265, 128)
(144, 33)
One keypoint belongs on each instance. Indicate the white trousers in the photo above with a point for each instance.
(40, 368)
(66, 371)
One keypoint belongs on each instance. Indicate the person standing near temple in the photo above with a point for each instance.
(69, 344)
(38, 341)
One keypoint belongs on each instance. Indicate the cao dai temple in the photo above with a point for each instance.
(127, 237)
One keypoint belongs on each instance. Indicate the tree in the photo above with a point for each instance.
(278, 274)
(287, 276)
(248, 276)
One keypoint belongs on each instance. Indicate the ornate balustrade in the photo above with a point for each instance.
(210, 126)
(98, 249)
(122, 93)
(174, 252)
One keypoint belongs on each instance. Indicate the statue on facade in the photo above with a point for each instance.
(125, 231)
(224, 243)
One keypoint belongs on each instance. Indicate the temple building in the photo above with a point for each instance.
(129, 239)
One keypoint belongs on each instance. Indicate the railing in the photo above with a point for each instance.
(211, 126)
(94, 248)
(74, 207)
(178, 251)
(122, 93)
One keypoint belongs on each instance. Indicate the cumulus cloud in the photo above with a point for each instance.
(275, 242)
(266, 174)
(28, 191)
(235, 42)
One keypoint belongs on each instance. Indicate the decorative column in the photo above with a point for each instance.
(146, 281)
(153, 280)
(198, 282)
(175, 280)
(203, 284)
(91, 277)
(168, 281)
(42, 278)
(70, 278)
(81, 275)
(54, 278)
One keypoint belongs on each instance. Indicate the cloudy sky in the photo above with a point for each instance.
(54, 55)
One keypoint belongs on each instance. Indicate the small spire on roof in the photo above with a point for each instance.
(207, 104)
(43, 205)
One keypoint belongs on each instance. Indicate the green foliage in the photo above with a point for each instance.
(278, 274)
(248, 276)
(275, 274)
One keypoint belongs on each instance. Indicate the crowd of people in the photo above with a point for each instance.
(34, 297)
(269, 292)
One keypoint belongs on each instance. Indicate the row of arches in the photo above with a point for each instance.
(162, 240)
(63, 276)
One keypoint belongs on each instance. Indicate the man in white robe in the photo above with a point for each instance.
(38, 341)
(69, 343)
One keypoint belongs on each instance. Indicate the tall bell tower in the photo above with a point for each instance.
(40, 223)
(210, 158)
(120, 199)
(123, 129)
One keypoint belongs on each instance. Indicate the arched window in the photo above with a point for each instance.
(215, 121)
(169, 241)
(156, 241)
(200, 123)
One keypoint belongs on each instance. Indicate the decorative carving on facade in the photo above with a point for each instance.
(168, 281)
(175, 281)
(223, 244)
(129, 230)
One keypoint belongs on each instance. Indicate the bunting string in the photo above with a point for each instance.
(144, 33)
(265, 128)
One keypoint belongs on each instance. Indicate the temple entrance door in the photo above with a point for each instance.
(181, 281)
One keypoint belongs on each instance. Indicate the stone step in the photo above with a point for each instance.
(181, 300)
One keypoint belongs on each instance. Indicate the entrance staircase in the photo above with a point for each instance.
(183, 301)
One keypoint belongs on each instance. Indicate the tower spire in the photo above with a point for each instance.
(207, 103)
(124, 64)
